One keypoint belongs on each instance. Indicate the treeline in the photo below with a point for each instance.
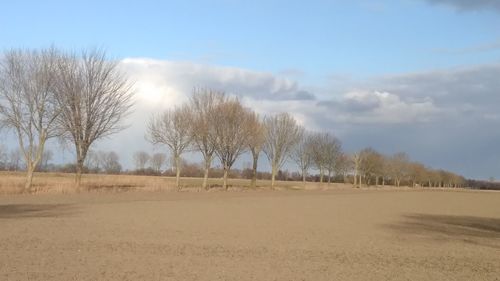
(219, 126)
(81, 98)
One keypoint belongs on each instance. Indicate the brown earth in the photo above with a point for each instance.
(257, 235)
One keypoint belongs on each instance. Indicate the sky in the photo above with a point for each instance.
(420, 76)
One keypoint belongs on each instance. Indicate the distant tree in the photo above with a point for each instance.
(370, 163)
(256, 140)
(157, 161)
(111, 162)
(398, 167)
(332, 152)
(47, 156)
(15, 159)
(171, 128)
(282, 134)
(343, 165)
(232, 131)
(92, 162)
(202, 107)
(302, 154)
(27, 104)
(319, 148)
(93, 97)
(141, 158)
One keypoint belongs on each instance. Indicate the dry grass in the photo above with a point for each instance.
(12, 182)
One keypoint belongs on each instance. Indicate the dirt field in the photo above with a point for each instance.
(255, 235)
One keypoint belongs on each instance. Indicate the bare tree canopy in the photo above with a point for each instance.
(282, 134)
(321, 145)
(94, 97)
(398, 166)
(141, 158)
(332, 153)
(157, 161)
(302, 154)
(27, 102)
(370, 163)
(231, 133)
(202, 106)
(171, 128)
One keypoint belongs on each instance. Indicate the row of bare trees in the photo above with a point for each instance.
(219, 126)
(371, 167)
(81, 98)
(44, 94)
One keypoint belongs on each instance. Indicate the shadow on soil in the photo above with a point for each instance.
(475, 230)
(12, 211)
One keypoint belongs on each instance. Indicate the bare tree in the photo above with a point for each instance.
(282, 134)
(319, 147)
(398, 167)
(110, 162)
(93, 162)
(343, 165)
(47, 156)
(255, 140)
(332, 153)
(232, 131)
(370, 162)
(94, 98)
(171, 128)
(202, 107)
(302, 154)
(357, 159)
(141, 158)
(27, 102)
(157, 161)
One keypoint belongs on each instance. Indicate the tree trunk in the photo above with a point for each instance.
(273, 175)
(329, 176)
(383, 181)
(321, 173)
(304, 176)
(29, 177)
(253, 183)
(205, 176)
(359, 180)
(177, 172)
(78, 175)
(355, 179)
(224, 184)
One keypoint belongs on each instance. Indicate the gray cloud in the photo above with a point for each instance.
(468, 5)
(447, 118)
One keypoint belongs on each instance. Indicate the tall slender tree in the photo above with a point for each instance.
(171, 128)
(94, 97)
(256, 140)
(282, 134)
(27, 102)
(231, 132)
(202, 106)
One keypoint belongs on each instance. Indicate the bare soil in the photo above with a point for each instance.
(258, 235)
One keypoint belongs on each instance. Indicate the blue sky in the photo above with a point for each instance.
(319, 38)
(414, 75)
